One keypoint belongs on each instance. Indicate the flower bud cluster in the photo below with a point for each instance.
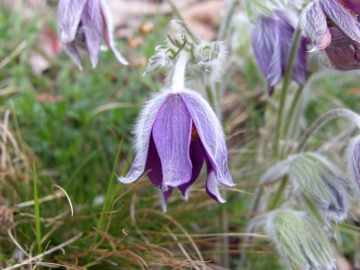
(205, 58)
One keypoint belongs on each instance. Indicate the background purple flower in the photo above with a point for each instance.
(333, 26)
(84, 23)
(271, 40)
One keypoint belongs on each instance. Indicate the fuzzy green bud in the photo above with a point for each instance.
(321, 185)
(300, 240)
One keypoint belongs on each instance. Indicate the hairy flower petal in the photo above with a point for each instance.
(153, 165)
(142, 134)
(197, 160)
(353, 5)
(266, 45)
(172, 132)
(92, 24)
(72, 51)
(211, 134)
(314, 24)
(69, 15)
(342, 18)
(339, 38)
(212, 187)
(343, 58)
(108, 29)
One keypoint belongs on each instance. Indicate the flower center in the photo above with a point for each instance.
(194, 133)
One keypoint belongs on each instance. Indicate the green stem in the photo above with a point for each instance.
(212, 100)
(175, 10)
(292, 110)
(224, 27)
(286, 82)
(350, 115)
(37, 211)
(294, 105)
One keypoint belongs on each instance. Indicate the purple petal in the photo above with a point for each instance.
(342, 18)
(153, 165)
(142, 134)
(197, 160)
(165, 195)
(172, 132)
(300, 66)
(92, 24)
(106, 16)
(339, 38)
(344, 58)
(353, 5)
(211, 135)
(68, 16)
(136, 170)
(315, 26)
(72, 51)
(266, 45)
(212, 187)
(154, 172)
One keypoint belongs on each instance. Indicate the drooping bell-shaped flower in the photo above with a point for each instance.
(176, 134)
(84, 23)
(333, 26)
(271, 41)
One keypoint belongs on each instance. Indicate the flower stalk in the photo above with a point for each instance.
(178, 80)
(293, 107)
(225, 26)
(322, 120)
(283, 94)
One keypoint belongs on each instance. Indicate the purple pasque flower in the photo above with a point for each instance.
(84, 23)
(333, 26)
(271, 41)
(176, 133)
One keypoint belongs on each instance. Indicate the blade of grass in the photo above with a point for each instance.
(79, 168)
(37, 211)
(113, 174)
(110, 187)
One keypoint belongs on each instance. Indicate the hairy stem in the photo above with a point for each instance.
(345, 113)
(224, 27)
(178, 80)
(175, 10)
(292, 110)
(293, 107)
(212, 100)
(286, 82)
